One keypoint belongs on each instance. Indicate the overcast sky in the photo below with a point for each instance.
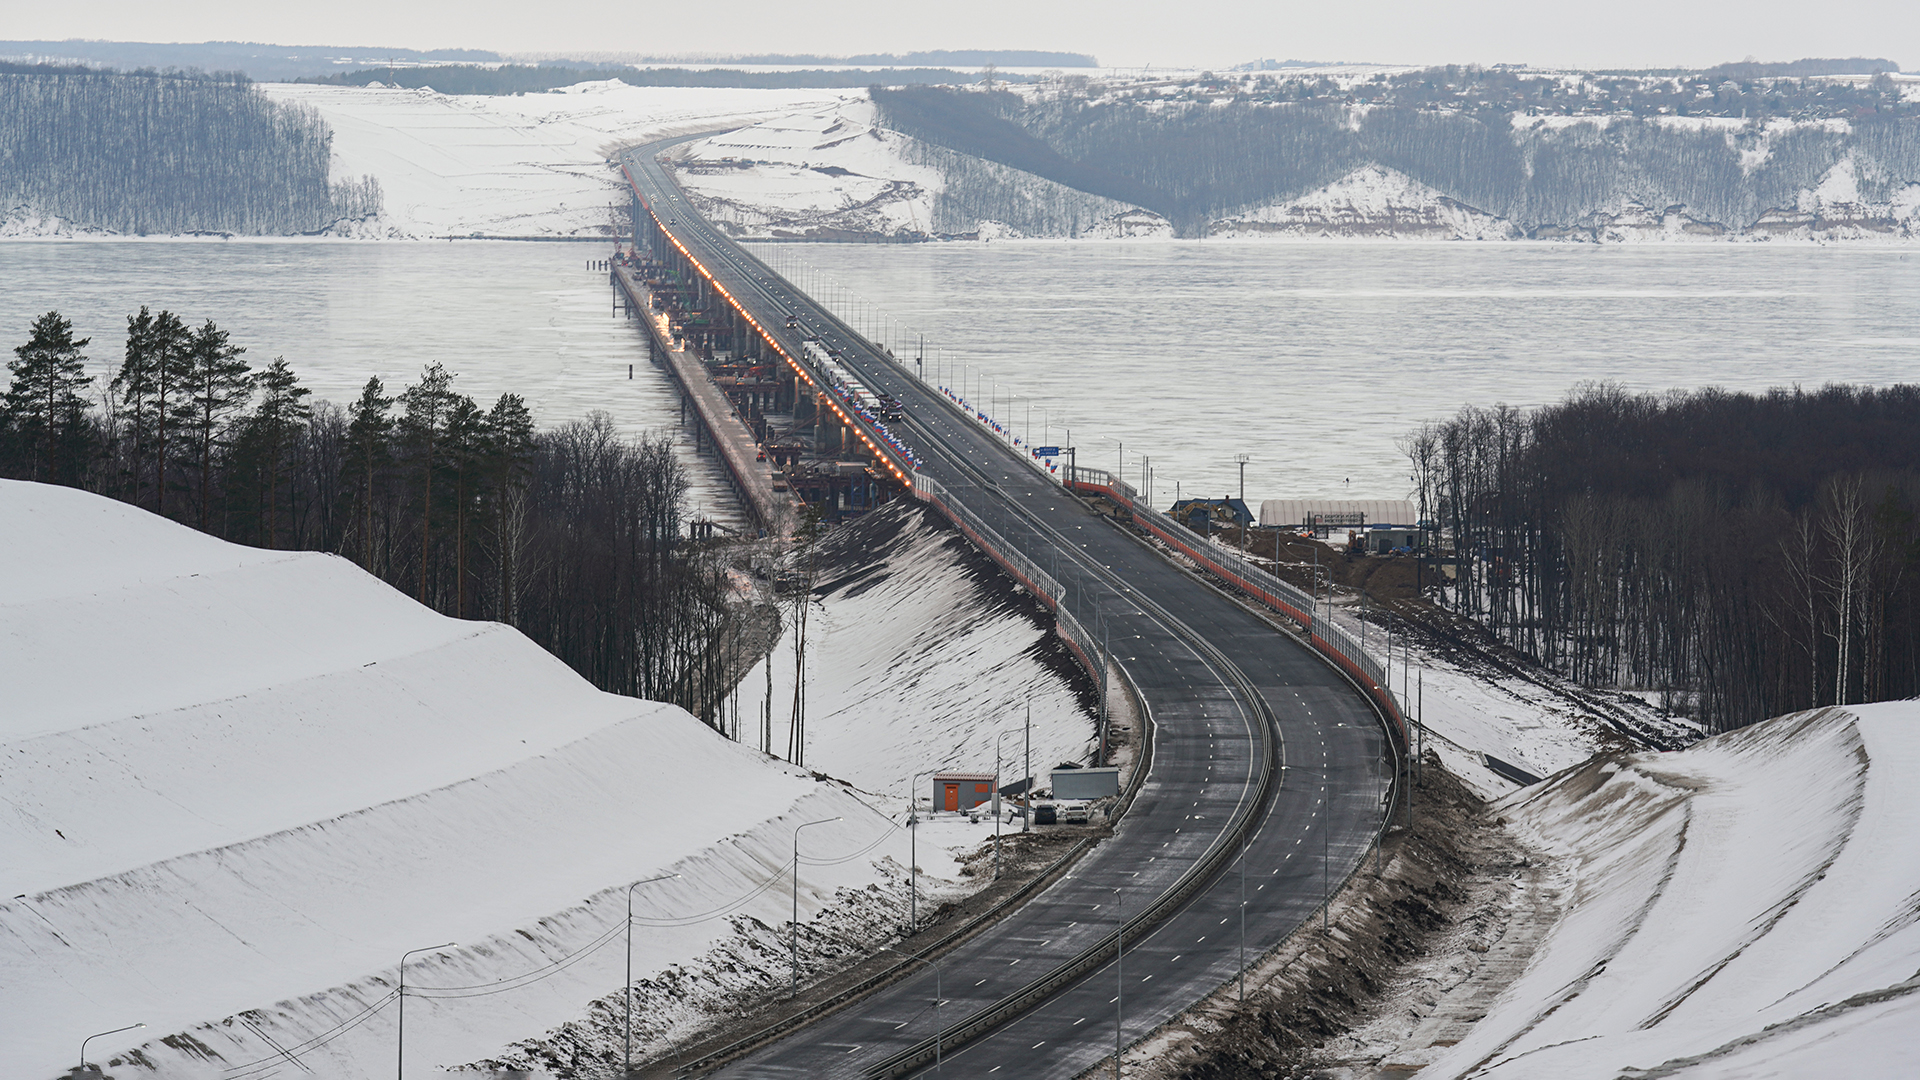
(1128, 33)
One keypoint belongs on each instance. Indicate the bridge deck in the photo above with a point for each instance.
(732, 438)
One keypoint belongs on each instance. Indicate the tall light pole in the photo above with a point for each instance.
(913, 849)
(939, 999)
(795, 990)
(1026, 820)
(1243, 916)
(400, 1051)
(1119, 978)
(630, 888)
(1241, 460)
(97, 1034)
(996, 802)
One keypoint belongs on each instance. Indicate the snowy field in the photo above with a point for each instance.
(239, 784)
(528, 165)
(1743, 908)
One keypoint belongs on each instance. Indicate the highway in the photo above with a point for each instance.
(1249, 725)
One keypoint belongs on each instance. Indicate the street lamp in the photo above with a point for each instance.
(97, 1034)
(996, 802)
(630, 888)
(795, 989)
(939, 999)
(913, 849)
(400, 1052)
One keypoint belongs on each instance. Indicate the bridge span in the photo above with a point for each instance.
(1273, 756)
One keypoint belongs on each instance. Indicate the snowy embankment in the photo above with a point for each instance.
(1743, 908)
(920, 656)
(239, 784)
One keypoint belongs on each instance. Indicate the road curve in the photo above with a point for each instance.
(1211, 674)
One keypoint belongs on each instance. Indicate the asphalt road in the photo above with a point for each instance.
(1211, 674)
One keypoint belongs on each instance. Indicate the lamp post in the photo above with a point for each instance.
(939, 999)
(630, 888)
(400, 1051)
(1119, 978)
(97, 1034)
(913, 849)
(794, 991)
(1026, 819)
(996, 802)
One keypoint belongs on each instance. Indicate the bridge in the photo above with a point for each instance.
(1275, 743)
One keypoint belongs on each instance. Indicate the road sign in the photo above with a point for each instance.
(1047, 451)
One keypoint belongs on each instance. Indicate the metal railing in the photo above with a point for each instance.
(1328, 637)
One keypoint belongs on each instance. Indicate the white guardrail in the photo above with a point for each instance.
(1024, 570)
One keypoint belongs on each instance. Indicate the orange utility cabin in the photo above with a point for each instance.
(961, 790)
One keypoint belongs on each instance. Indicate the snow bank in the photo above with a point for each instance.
(532, 165)
(238, 784)
(1745, 907)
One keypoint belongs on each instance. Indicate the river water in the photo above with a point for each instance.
(1313, 359)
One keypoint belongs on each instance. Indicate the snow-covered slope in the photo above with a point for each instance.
(835, 173)
(1742, 908)
(519, 165)
(1372, 203)
(239, 784)
(919, 655)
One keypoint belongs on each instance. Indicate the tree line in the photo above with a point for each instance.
(507, 79)
(573, 534)
(170, 153)
(1743, 555)
(1199, 158)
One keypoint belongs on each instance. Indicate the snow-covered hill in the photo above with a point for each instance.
(1742, 908)
(1369, 203)
(835, 173)
(239, 784)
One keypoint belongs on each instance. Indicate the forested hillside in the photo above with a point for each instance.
(1741, 555)
(1551, 153)
(148, 153)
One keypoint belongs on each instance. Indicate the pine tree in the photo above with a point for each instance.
(274, 425)
(510, 452)
(466, 451)
(423, 428)
(43, 406)
(148, 383)
(215, 384)
(369, 450)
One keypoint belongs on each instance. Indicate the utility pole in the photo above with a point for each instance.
(1241, 460)
(1026, 820)
(1119, 978)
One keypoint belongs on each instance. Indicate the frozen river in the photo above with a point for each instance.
(1312, 358)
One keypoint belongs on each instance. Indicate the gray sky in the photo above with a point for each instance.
(1629, 33)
